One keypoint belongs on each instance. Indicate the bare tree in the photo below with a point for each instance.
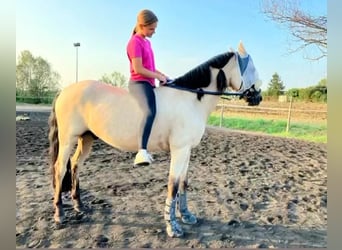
(308, 31)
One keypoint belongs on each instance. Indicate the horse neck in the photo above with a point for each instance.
(209, 102)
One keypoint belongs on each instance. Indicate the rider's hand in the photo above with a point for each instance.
(162, 78)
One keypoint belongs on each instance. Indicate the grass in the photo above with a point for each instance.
(303, 131)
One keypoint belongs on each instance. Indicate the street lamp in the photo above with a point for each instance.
(77, 45)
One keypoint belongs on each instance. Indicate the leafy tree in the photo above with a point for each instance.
(115, 79)
(308, 31)
(34, 76)
(317, 93)
(276, 86)
(24, 72)
(293, 92)
(323, 82)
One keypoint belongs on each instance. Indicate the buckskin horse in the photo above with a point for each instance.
(87, 110)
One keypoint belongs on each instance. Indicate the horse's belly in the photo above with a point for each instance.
(130, 142)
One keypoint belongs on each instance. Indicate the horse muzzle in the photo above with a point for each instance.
(252, 96)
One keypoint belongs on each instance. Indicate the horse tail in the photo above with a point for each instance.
(54, 148)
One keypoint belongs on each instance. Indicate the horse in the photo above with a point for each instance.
(87, 110)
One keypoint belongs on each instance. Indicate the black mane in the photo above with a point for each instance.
(199, 77)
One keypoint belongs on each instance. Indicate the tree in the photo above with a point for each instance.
(34, 76)
(24, 72)
(115, 79)
(293, 92)
(319, 92)
(316, 93)
(309, 31)
(322, 82)
(276, 86)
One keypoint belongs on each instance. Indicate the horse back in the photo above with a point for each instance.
(91, 106)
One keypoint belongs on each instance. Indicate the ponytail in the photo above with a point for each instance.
(145, 17)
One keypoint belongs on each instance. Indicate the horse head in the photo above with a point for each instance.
(234, 70)
(245, 78)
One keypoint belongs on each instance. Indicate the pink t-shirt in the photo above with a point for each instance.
(139, 47)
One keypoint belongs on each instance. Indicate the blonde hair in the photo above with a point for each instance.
(145, 17)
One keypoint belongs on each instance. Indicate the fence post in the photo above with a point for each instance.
(289, 115)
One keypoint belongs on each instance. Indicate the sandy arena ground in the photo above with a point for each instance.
(248, 190)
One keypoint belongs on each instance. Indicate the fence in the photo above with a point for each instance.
(281, 111)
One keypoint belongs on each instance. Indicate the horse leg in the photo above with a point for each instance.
(182, 206)
(82, 151)
(178, 159)
(61, 169)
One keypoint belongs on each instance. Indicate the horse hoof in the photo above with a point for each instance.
(189, 219)
(58, 226)
(174, 230)
(174, 234)
(59, 219)
(78, 205)
(79, 209)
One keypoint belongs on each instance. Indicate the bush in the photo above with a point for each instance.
(45, 98)
(35, 100)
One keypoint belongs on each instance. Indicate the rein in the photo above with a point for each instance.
(203, 92)
(251, 95)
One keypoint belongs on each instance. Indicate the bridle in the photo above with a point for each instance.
(251, 95)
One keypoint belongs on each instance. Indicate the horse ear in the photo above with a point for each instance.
(242, 50)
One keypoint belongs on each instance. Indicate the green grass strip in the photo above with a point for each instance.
(303, 131)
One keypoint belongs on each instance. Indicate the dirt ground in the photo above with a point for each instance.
(248, 190)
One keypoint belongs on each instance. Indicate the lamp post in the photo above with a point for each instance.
(76, 45)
